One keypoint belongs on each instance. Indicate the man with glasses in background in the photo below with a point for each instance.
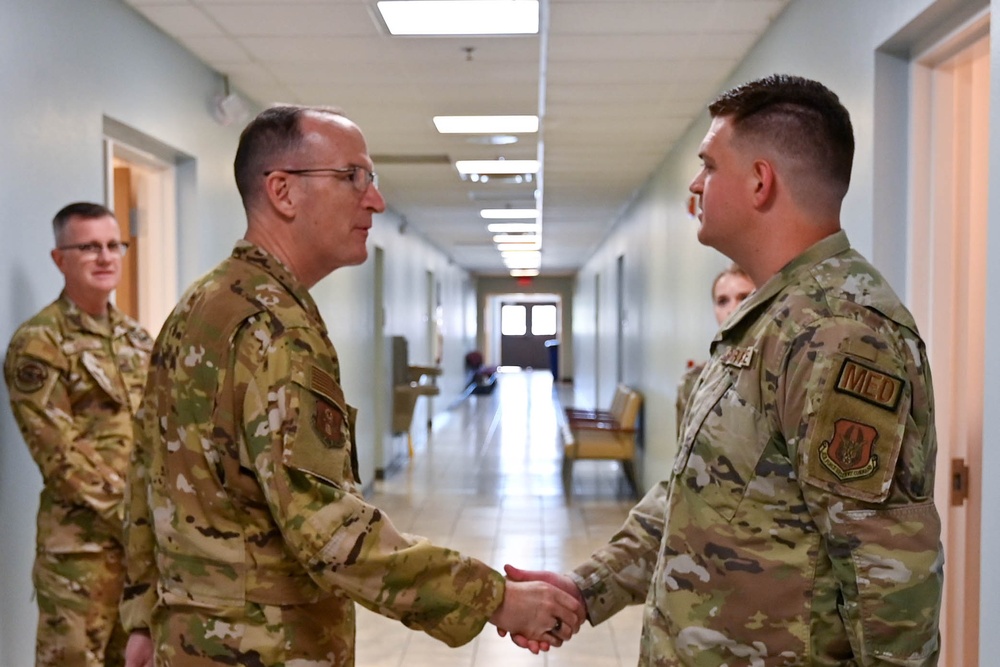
(75, 372)
(248, 537)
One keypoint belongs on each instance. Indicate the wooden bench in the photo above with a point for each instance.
(614, 412)
(597, 434)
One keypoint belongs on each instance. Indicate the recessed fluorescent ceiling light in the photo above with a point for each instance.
(486, 124)
(509, 213)
(515, 238)
(521, 273)
(460, 17)
(522, 260)
(514, 247)
(497, 166)
(512, 227)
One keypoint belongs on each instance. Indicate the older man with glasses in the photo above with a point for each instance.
(248, 537)
(75, 372)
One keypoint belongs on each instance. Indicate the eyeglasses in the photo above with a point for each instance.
(361, 178)
(93, 250)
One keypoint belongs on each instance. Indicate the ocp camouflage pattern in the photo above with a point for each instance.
(75, 382)
(798, 525)
(74, 385)
(248, 538)
(685, 390)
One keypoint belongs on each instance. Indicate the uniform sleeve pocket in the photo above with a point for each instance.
(321, 442)
(899, 564)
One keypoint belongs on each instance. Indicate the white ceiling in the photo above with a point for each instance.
(617, 85)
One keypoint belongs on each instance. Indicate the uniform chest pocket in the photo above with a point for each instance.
(724, 444)
(105, 376)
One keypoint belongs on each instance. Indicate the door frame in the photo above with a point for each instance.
(947, 293)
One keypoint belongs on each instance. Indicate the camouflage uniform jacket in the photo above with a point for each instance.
(797, 526)
(685, 390)
(75, 383)
(244, 488)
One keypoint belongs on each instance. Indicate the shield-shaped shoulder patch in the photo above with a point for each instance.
(850, 452)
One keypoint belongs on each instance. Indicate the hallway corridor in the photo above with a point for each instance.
(488, 483)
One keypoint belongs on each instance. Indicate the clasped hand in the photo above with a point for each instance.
(540, 609)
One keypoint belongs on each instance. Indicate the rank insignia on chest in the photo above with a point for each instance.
(740, 357)
(850, 453)
(30, 376)
(327, 420)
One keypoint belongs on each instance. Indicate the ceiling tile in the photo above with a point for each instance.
(623, 80)
(181, 20)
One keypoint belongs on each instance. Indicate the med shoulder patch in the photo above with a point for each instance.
(869, 384)
(853, 441)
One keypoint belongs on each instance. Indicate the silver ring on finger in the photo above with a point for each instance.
(557, 627)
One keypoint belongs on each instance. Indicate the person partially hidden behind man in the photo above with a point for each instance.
(75, 372)
(729, 289)
(248, 538)
(798, 525)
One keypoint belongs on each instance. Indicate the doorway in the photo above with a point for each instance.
(948, 294)
(524, 328)
(141, 189)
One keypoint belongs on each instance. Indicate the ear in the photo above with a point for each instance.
(764, 183)
(281, 194)
(58, 258)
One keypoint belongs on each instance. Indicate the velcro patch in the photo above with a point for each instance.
(30, 376)
(870, 385)
(324, 384)
(850, 453)
(855, 436)
(740, 357)
(328, 421)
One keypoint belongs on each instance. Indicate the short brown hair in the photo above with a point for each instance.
(269, 137)
(82, 209)
(798, 117)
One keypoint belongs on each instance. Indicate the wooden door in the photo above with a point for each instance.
(127, 294)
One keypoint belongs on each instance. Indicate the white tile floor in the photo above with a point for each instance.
(488, 483)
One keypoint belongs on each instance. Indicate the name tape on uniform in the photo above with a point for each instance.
(738, 356)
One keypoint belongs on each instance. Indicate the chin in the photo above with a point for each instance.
(105, 285)
(703, 237)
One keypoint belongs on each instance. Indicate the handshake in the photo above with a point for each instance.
(540, 609)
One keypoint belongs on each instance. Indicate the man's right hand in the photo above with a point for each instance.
(560, 581)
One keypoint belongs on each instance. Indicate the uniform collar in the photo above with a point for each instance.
(791, 273)
(250, 253)
(84, 321)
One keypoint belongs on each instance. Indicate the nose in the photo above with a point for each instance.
(374, 199)
(696, 184)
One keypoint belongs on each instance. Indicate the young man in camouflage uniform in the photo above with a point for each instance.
(75, 372)
(248, 537)
(798, 525)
